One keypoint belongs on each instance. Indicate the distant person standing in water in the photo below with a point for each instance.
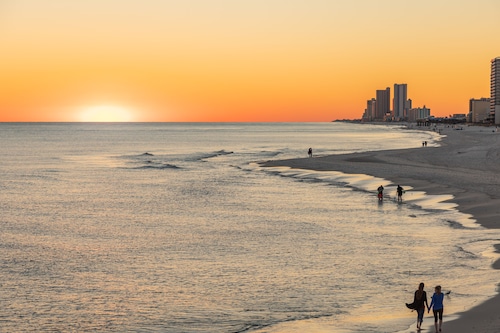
(310, 152)
(437, 308)
(380, 194)
(420, 302)
(399, 190)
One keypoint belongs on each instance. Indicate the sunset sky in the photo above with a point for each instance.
(239, 60)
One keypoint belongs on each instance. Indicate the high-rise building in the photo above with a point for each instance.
(370, 110)
(495, 90)
(479, 109)
(408, 105)
(400, 101)
(382, 107)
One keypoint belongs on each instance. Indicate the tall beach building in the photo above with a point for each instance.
(383, 104)
(370, 110)
(400, 101)
(495, 90)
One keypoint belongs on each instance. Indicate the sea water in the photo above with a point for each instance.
(173, 227)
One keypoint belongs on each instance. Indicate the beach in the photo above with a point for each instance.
(465, 165)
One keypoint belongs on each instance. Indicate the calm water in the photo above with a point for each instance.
(175, 228)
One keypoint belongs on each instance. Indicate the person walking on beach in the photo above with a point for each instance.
(420, 302)
(437, 308)
(310, 152)
(380, 194)
(399, 190)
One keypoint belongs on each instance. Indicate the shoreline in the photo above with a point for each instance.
(466, 165)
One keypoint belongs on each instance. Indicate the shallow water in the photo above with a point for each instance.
(175, 228)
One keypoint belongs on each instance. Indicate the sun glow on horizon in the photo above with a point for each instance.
(105, 113)
(237, 61)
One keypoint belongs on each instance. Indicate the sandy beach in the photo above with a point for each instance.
(466, 165)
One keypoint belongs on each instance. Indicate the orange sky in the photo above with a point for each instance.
(246, 60)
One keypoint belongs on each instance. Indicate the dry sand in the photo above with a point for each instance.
(466, 165)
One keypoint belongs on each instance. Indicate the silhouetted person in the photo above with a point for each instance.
(437, 308)
(399, 190)
(420, 302)
(380, 194)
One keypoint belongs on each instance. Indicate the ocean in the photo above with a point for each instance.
(174, 227)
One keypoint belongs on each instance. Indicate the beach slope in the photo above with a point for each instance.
(466, 165)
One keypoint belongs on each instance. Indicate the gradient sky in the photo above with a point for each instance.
(239, 60)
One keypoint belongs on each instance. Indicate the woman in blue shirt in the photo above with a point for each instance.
(437, 307)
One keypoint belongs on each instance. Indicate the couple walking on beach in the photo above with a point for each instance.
(420, 303)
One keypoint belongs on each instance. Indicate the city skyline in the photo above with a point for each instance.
(228, 61)
(378, 108)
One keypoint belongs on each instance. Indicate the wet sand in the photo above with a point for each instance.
(466, 165)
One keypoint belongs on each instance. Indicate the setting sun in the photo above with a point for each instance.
(106, 113)
(237, 61)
